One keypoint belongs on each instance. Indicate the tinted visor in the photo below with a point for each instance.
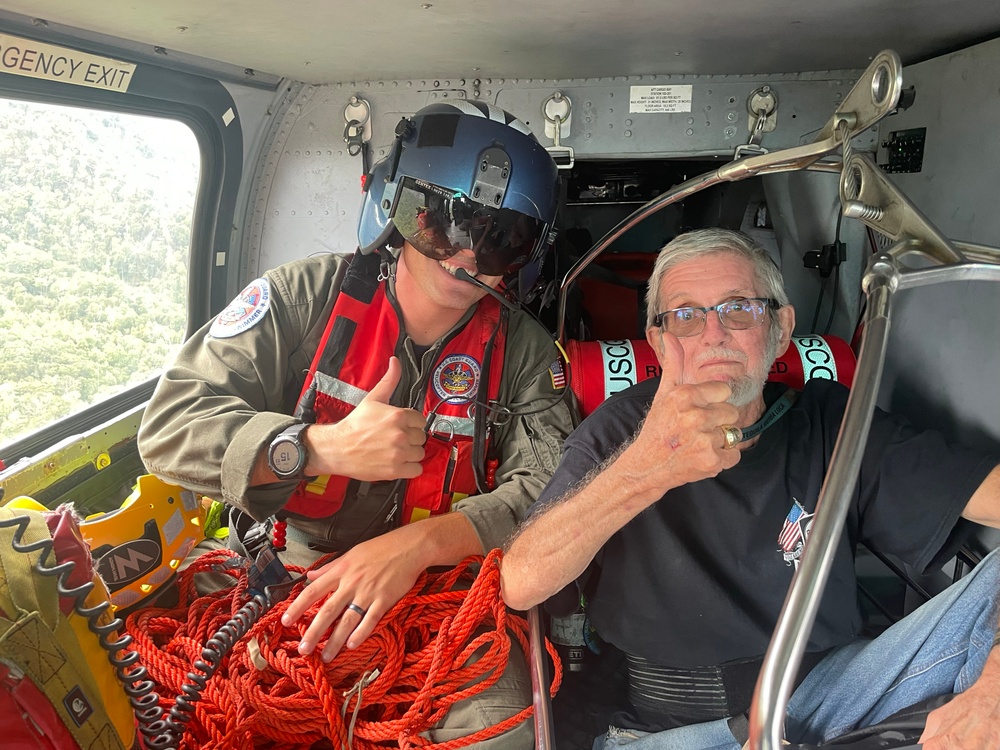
(440, 222)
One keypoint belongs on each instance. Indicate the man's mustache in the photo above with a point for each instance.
(720, 352)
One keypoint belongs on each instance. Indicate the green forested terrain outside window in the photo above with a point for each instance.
(95, 226)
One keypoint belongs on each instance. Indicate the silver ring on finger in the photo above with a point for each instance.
(359, 610)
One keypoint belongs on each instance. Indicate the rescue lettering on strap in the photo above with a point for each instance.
(619, 366)
(817, 358)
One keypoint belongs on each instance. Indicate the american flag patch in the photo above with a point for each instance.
(791, 530)
(558, 374)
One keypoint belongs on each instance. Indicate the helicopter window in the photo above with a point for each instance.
(95, 228)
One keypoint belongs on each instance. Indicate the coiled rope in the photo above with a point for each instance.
(400, 682)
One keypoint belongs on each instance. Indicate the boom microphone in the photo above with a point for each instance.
(461, 273)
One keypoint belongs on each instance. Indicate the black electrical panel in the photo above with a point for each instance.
(905, 149)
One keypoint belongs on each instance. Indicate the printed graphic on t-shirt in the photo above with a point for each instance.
(456, 379)
(794, 533)
(244, 312)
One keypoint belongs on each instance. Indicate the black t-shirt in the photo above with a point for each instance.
(699, 577)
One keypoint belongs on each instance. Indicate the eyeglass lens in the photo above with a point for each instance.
(737, 315)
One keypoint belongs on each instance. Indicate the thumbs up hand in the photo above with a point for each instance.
(681, 440)
(376, 441)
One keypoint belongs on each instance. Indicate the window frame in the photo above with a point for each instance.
(199, 102)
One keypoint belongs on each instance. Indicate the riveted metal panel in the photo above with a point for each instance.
(944, 350)
(310, 188)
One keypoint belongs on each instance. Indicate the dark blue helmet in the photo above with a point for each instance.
(463, 175)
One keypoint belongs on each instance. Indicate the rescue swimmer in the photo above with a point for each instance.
(355, 398)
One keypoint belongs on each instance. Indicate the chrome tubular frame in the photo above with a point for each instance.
(545, 738)
(884, 277)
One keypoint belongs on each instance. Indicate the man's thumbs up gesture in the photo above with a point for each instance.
(681, 440)
(374, 442)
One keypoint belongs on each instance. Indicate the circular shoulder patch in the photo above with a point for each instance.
(244, 312)
(456, 379)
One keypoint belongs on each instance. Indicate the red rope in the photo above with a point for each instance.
(421, 649)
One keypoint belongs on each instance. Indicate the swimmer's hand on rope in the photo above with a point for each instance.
(373, 576)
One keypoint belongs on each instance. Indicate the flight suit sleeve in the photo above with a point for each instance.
(224, 397)
(528, 447)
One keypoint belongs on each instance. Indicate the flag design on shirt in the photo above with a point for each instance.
(791, 531)
(794, 532)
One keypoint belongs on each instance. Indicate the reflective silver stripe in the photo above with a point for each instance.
(520, 127)
(492, 113)
(351, 394)
(468, 108)
(445, 426)
(338, 389)
(495, 113)
(665, 689)
(500, 116)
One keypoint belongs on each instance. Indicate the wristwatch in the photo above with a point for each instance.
(287, 456)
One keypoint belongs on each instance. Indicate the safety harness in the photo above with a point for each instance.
(362, 333)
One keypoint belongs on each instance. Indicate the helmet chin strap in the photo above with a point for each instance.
(461, 273)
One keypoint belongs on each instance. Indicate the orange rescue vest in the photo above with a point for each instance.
(362, 333)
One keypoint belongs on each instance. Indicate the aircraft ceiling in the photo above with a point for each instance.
(323, 41)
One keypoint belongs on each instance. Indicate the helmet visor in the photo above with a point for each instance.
(440, 222)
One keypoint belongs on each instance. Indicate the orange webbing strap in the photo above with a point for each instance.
(400, 682)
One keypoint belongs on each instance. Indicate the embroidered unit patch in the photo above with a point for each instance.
(456, 379)
(244, 312)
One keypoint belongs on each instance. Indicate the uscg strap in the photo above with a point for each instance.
(817, 358)
(619, 366)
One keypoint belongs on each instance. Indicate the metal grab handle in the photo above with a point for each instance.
(880, 205)
(875, 94)
(545, 738)
(867, 195)
(791, 634)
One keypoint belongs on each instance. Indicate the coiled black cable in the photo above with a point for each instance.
(138, 687)
(161, 732)
(212, 655)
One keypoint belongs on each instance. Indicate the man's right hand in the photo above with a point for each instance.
(374, 442)
(681, 440)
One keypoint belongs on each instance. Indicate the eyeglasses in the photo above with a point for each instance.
(735, 314)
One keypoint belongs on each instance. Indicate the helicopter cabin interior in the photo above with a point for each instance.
(155, 158)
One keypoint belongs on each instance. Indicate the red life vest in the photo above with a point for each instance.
(353, 356)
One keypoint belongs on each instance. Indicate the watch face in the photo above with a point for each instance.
(285, 457)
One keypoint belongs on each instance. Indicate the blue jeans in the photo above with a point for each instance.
(938, 649)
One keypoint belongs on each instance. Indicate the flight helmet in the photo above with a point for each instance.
(464, 175)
